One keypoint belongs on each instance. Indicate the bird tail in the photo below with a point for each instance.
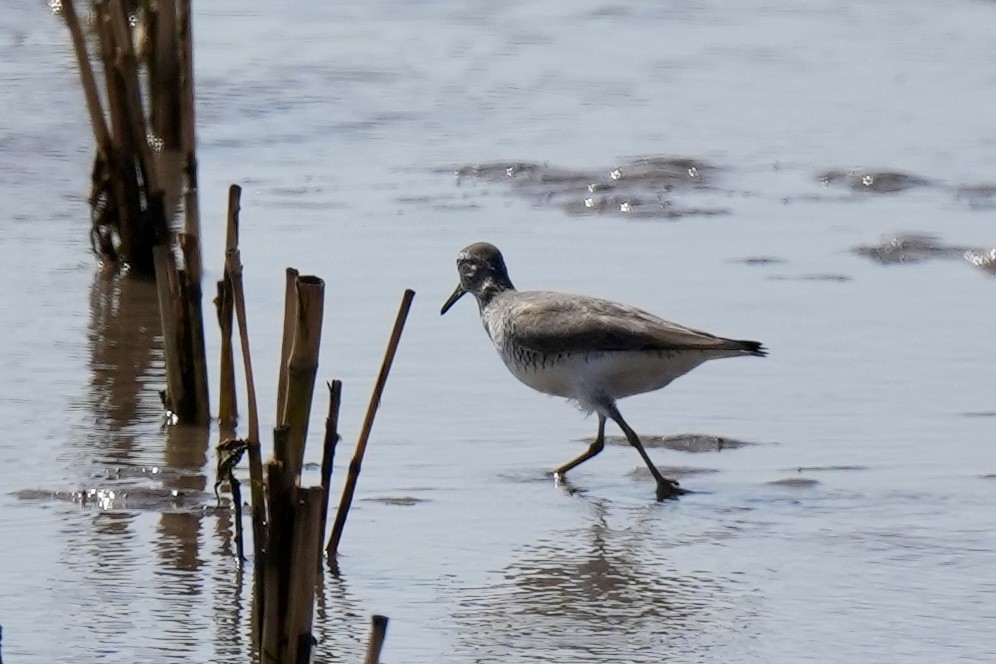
(751, 347)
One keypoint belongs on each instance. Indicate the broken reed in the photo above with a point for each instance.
(288, 519)
(145, 167)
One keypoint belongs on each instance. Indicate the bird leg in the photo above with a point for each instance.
(592, 450)
(666, 488)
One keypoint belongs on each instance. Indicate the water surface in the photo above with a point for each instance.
(858, 526)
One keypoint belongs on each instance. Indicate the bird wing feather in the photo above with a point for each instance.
(562, 323)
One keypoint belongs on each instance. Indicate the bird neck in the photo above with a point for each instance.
(490, 289)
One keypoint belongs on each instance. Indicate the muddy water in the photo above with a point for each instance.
(809, 175)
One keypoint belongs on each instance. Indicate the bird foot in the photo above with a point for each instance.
(669, 489)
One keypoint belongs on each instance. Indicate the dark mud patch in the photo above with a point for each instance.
(977, 196)
(395, 501)
(758, 261)
(642, 187)
(831, 277)
(867, 181)
(910, 248)
(795, 482)
(837, 468)
(642, 473)
(979, 413)
(684, 442)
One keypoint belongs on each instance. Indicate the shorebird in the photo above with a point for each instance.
(585, 349)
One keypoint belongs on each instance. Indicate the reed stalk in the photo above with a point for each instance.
(233, 274)
(378, 632)
(276, 570)
(287, 340)
(228, 407)
(328, 454)
(194, 354)
(302, 366)
(166, 278)
(304, 565)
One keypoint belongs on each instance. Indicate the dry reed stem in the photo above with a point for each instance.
(290, 311)
(97, 121)
(164, 76)
(304, 565)
(302, 366)
(378, 632)
(328, 454)
(276, 569)
(233, 273)
(127, 67)
(194, 352)
(165, 279)
(228, 407)
(361, 445)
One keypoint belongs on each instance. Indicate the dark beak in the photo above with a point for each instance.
(457, 294)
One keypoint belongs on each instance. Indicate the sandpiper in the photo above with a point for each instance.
(588, 350)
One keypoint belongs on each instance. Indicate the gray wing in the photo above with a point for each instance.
(562, 323)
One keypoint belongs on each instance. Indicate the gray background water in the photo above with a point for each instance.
(345, 123)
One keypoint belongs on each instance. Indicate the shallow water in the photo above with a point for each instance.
(860, 525)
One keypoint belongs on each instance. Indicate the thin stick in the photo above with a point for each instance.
(97, 121)
(233, 271)
(290, 310)
(328, 453)
(361, 445)
(234, 267)
(378, 632)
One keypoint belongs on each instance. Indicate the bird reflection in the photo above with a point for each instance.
(597, 593)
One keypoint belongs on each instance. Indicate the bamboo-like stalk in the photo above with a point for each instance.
(164, 76)
(120, 176)
(188, 128)
(165, 278)
(378, 632)
(328, 455)
(361, 445)
(276, 568)
(127, 66)
(304, 564)
(302, 366)
(228, 410)
(195, 357)
(287, 340)
(188, 108)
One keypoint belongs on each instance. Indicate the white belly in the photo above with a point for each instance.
(588, 378)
